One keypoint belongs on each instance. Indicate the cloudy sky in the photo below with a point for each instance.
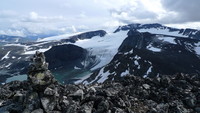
(22, 17)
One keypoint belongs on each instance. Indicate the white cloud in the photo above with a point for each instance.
(61, 16)
(33, 15)
(7, 14)
(12, 32)
(34, 23)
(195, 25)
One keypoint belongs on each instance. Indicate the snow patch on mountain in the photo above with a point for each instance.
(197, 50)
(33, 51)
(77, 68)
(101, 77)
(125, 73)
(6, 55)
(148, 71)
(154, 49)
(168, 39)
(8, 65)
(136, 62)
(15, 45)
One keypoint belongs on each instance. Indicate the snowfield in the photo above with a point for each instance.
(59, 37)
(168, 39)
(163, 32)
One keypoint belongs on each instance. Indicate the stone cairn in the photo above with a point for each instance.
(39, 75)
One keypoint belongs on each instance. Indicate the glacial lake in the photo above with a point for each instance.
(64, 77)
(18, 77)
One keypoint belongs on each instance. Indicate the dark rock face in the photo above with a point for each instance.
(65, 55)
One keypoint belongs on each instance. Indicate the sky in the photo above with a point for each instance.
(29, 17)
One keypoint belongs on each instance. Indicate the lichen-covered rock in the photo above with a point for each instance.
(32, 101)
(48, 103)
(38, 111)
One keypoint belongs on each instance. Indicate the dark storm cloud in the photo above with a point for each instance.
(187, 10)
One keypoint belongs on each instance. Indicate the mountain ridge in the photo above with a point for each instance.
(146, 54)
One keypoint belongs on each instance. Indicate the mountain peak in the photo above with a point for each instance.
(134, 32)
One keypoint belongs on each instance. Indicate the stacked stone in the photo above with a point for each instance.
(39, 75)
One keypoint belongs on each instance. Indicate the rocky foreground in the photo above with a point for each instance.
(41, 93)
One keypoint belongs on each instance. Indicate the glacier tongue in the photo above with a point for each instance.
(104, 48)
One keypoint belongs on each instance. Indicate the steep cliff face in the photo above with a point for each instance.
(65, 55)
(41, 93)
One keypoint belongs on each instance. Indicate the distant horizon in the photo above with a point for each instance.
(34, 17)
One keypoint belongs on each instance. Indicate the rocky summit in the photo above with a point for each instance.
(41, 93)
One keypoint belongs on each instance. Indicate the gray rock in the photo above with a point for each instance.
(103, 107)
(197, 109)
(118, 110)
(86, 108)
(65, 101)
(19, 97)
(181, 109)
(146, 86)
(49, 91)
(32, 101)
(48, 104)
(72, 109)
(189, 101)
(55, 112)
(78, 94)
(38, 111)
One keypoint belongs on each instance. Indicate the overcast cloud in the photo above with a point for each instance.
(187, 10)
(24, 17)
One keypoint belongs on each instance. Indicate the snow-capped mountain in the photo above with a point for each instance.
(160, 29)
(5, 39)
(150, 55)
(136, 49)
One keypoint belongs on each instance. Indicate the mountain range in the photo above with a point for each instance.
(145, 50)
